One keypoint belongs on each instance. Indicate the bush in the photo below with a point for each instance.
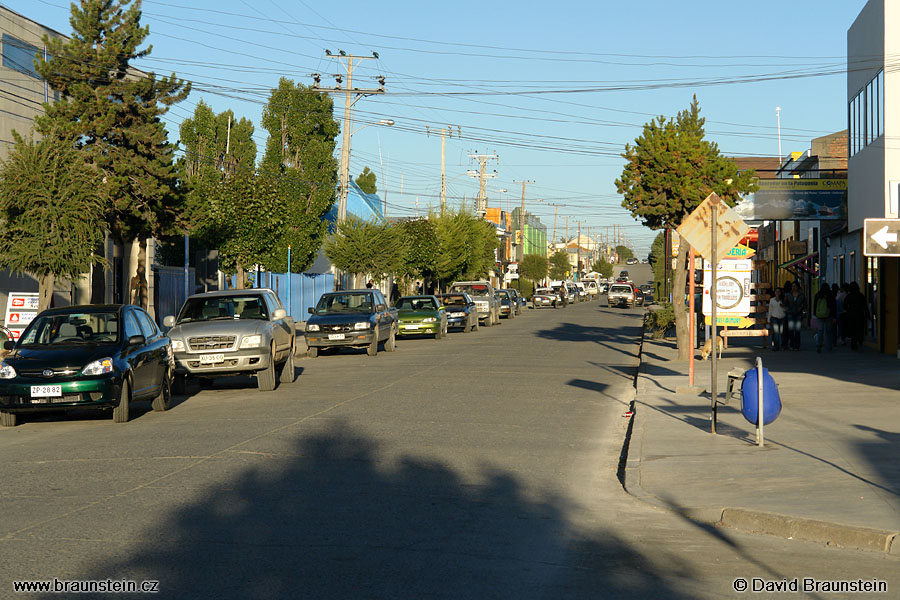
(525, 286)
(659, 321)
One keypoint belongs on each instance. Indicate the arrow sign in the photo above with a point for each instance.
(882, 237)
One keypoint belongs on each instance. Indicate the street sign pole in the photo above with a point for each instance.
(714, 301)
(692, 319)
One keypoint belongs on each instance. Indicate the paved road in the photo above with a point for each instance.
(479, 466)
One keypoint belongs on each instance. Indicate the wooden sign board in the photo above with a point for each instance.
(697, 228)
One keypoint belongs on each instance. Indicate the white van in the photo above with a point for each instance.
(591, 287)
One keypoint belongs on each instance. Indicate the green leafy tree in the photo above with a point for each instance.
(624, 253)
(366, 248)
(603, 267)
(114, 114)
(467, 246)
(534, 267)
(366, 181)
(658, 264)
(50, 212)
(559, 265)
(669, 171)
(482, 244)
(300, 156)
(422, 249)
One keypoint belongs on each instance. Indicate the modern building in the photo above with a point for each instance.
(534, 238)
(874, 164)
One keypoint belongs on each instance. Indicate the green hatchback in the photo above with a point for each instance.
(95, 356)
(422, 315)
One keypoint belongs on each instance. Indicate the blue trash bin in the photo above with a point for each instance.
(750, 397)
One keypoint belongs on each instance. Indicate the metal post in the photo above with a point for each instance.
(691, 319)
(713, 298)
(187, 266)
(290, 314)
(760, 440)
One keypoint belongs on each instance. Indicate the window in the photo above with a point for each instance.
(131, 325)
(865, 114)
(19, 56)
(148, 328)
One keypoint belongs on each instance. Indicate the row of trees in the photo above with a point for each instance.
(439, 249)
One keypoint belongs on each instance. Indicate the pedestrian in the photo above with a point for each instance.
(776, 318)
(370, 284)
(842, 327)
(795, 308)
(857, 310)
(823, 310)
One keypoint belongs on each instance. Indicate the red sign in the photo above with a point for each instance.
(17, 302)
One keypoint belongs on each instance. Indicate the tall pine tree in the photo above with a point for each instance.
(113, 113)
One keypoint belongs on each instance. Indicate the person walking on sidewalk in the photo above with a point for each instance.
(823, 307)
(857, 316)
(842, 328)
(776, 318)
(796, 306)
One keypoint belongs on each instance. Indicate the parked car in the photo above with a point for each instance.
(623, 275)
(421, 315)
(621, 294)
(544, 297)
(352, 318)
(582, 291)
(572, 292)
(648, 292)
(5, 336)
(461, 311)
(505, 301)
(233, 332)
(602, 287)
(517, 299)
(632, 261)
(482, 292)
(93, 356)
(591, 288)
(638, 296)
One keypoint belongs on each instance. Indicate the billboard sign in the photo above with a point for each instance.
(796, 199)
(21, 309)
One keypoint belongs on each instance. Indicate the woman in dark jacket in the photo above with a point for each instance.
(794, 307)
(857, 311)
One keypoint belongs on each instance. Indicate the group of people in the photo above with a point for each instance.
(839, 312)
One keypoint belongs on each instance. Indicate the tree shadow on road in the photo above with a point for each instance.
(329, 518)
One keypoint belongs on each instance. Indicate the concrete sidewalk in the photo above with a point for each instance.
(830, 469)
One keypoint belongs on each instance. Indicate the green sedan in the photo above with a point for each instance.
(422, 315)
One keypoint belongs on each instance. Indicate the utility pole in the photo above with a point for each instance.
(522, 219)
(555, 215)
(444, 133)
(483, 176)
(567, 232)
(578, 251)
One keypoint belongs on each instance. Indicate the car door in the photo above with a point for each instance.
(138, 356)
(383, 317)
(281, 333)
(156, 346)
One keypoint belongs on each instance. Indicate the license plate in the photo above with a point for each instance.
(335, 336)
(46, 391)
(410, 327)
(211, 359)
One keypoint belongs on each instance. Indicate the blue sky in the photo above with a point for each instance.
(556, 91)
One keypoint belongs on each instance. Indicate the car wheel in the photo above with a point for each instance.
(120, 412)
(287, 369)
(8, 419)
(391, 344)
(372, 349)
(265, 379)
(179, 384)
(312, 351)
(162, 401)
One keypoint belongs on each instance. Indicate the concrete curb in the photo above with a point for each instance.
(749, 521)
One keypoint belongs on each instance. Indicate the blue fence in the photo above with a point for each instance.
(305, 289)
(169, 290)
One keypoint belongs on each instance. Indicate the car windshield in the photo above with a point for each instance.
(472, 290)
(330, 304)
(454, 300)
(626, 289)
(212, 308)
(543, 291)
(416, 304)
(72, 328)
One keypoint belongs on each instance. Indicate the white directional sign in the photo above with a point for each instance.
(882, 237)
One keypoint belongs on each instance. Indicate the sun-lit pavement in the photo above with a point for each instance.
(479, 466)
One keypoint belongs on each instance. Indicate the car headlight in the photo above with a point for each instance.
(6, 371)
(429, 320)
(362, 325)
(98, 367)
(251, 341)
(312, 327)
(177, 346)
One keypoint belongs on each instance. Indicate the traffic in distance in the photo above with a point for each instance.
(107, 357)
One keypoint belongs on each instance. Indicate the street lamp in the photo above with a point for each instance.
(345, 169)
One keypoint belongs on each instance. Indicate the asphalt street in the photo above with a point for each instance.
(478, 466)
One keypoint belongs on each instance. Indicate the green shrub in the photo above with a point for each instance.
(525, 286)
(659, 321)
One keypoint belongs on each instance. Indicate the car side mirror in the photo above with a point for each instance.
(169, 321)
(279, 313)
(381, 308)
(136, 340)
(311, 310)
(9, 345)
